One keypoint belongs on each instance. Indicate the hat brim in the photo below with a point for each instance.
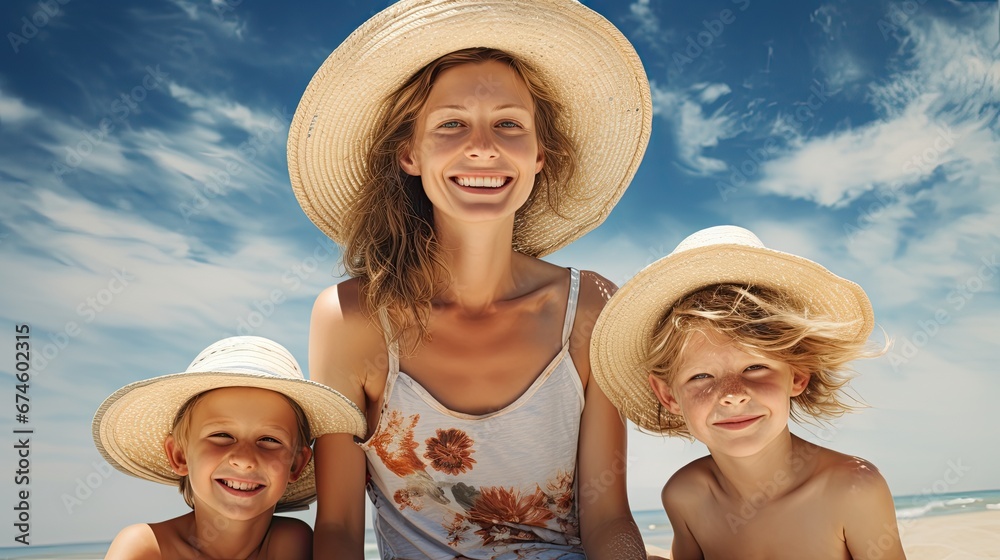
(589, 65)
(132, 424)
(624, 330)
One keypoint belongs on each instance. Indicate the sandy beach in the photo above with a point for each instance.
(962, 536)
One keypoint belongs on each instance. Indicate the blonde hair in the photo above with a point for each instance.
(390, 241)
(768, 323)
(181, 430)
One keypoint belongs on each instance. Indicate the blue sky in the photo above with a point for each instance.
(145, 207)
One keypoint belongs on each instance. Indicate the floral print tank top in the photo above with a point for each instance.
(498, 486)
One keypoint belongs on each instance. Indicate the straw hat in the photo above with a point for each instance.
(589, 65)
(132, 424)
(717, 255)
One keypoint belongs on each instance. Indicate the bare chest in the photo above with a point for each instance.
(791, 528)
(480, 368)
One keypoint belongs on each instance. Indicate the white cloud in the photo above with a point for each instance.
(13, 110)
(217, 110)
(710, 93)
(693, 130)
(934, 116)
(648, 26)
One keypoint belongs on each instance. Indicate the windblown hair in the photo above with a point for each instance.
(181, 431)
(768, 323)
(391, 244)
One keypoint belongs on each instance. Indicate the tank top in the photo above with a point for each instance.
(497, 486)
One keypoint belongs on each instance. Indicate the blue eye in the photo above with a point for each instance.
(508, 124)
(451, 124)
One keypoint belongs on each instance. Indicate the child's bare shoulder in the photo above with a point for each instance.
(135, 542)
(690, 481)
(848, 475)
(289, 538)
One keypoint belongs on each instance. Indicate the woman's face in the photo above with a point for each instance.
(474, 146)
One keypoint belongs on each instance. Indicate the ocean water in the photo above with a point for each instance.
(652, 523)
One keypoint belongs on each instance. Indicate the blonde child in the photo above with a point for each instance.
(447, 145)
(233, 431)
(723, 340)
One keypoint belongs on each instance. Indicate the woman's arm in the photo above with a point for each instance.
(606, 523)
(340, 339)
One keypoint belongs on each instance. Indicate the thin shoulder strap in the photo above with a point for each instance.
(574, 295)
(392, 346)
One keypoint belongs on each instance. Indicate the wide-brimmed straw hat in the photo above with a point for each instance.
(592, 69)
(717, 255)
(132, 424)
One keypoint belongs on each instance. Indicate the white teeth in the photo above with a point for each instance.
(241, 485)
(490, 182)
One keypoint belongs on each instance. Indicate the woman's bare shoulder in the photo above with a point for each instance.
(346, 347)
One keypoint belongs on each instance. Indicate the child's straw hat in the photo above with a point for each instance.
(717, 255)
(132, 424)
(589, 65)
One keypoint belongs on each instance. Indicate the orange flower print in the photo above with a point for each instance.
(561, 492)
(395, 445)
(404, 498)
(499, 512)
(450, 452)
(455, 530)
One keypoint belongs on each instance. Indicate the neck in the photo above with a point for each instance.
(481, 263)
(215, 536)
(770, 473)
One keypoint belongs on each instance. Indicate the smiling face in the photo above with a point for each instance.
(242, 449)
(474, 145)
(734, 402)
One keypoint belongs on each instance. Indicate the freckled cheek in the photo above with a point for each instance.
(278, 463)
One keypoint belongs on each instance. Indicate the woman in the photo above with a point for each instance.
(447, 146)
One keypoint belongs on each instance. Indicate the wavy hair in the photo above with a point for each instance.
(390, 243)
(768, 323)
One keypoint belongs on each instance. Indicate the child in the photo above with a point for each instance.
(722, 341)
(233, 431)
(448, 145)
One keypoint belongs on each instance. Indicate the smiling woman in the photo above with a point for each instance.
(470, 154)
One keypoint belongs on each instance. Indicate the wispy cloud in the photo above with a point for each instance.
(694, 131)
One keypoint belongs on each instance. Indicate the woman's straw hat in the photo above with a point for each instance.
(132, 424)
(589, 65)
(717, 255)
